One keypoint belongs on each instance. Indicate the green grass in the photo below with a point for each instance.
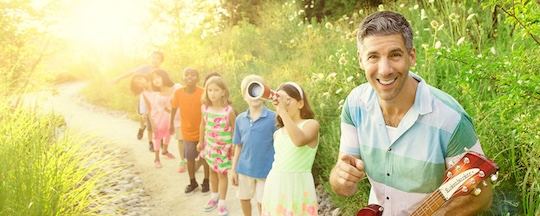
(46, 170)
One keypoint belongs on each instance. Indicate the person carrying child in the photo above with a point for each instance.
(253, 141)
(289, 188)
(217, 126)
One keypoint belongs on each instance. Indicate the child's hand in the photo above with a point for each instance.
(234, 178)
(172, 130)
(281, 103)
(199, 146)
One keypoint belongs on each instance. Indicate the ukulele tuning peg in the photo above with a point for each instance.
(484, 183)
(477, 191)
(466, 160)
(452, 163)
(494, 177)
(481, 174)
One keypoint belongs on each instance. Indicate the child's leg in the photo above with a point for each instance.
(206, 168)
(178, 136)
(157, 162)
(214, 181)
(150, 134)
(223, 185)
(245, 191)
(165, 151)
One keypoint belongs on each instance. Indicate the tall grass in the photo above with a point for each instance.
(490, 68)
(46, 170)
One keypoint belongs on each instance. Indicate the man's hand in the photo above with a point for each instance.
(349, 170)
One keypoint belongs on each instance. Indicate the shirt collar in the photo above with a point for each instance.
(264, 112)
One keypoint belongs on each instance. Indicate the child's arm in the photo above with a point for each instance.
(308, 135)
(171, 124)
(149, 111)
(234, 174)
(232, 120)
(201, 134)
(236, 140)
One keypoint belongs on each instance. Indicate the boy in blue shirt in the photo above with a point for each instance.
(254, 148)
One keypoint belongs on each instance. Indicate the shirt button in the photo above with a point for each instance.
(389, 149)
(388, 198)
(387, 174)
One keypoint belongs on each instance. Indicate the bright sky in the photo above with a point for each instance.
(104, 22)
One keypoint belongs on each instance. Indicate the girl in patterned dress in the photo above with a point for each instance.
(215, 142)
(289, 188)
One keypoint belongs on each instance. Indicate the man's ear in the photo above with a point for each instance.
(359, 54)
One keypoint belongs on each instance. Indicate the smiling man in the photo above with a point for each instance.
(398, 131)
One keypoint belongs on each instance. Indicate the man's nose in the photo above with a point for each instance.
(384, 67)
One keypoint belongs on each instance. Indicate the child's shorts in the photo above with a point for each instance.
(249, 187)
(141, 108)
(190, 150)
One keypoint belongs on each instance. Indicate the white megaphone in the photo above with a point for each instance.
(257, 90)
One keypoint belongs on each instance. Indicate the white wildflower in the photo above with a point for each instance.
(349, 78)
(339, 90)
(460, 40)
(329, 25)
(493, 51)
(437, 45)
(440, 27)
(423, 15)
(416, 6)
(434, 24)
(471, 16)
(331, 76)
(342, 60)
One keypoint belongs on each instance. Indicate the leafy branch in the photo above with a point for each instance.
(519, 22)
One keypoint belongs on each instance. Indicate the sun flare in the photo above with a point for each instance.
(95, 22)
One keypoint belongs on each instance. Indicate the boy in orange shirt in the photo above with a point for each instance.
(188, 100)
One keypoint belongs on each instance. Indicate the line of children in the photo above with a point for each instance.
(281, 182)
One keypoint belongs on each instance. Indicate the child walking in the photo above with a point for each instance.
(139, 84)
(217, 127)
(188, 101)
(159, 108)
(253, 141)
(289, 188)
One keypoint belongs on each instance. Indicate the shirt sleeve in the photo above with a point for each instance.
(237, 137)
(349, 142)
(174, 101)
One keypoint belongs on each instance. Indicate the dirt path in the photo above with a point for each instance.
(165, 185)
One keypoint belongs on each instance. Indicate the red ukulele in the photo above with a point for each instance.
(461, 179)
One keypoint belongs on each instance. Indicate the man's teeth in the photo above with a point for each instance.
(387, 82)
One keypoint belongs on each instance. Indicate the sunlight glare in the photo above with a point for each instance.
(95, 22)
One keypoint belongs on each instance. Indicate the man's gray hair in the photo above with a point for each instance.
(385, 23)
